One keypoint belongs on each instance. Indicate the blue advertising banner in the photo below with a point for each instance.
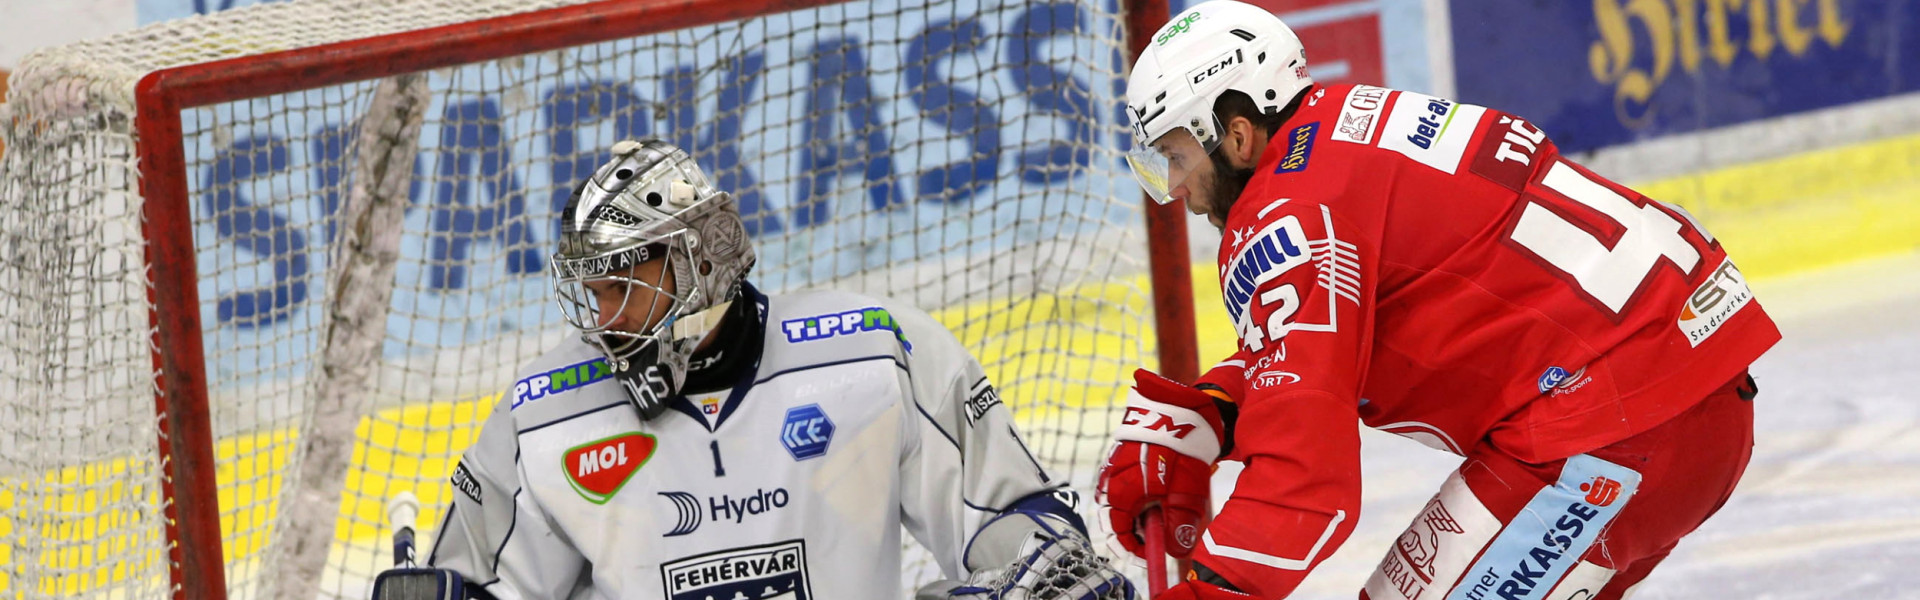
(1605, 72)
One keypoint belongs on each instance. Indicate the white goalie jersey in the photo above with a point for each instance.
(860, 416)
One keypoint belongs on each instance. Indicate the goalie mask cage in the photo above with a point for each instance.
(263, 269)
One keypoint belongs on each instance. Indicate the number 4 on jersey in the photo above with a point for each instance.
(1611, 276)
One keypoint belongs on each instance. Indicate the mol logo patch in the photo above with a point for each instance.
(872, 318)
(560, 380)
(1299, 148)
(600, 468)
(806, 432)
(775, 571)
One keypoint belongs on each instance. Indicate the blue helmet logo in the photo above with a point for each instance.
(806, 431)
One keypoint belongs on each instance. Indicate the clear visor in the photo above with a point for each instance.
(1163, 165)
(594, 300)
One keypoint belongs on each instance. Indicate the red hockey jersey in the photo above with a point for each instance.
(1438, 270)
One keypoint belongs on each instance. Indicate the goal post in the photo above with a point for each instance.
(242, 296)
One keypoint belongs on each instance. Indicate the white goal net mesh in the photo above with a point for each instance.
(961, 155)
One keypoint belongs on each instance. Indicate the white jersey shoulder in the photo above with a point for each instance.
(861, 415)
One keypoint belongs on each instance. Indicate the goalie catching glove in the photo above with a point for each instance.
(1052, 560)
(1169, 440)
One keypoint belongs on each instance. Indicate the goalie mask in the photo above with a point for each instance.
(651, 254)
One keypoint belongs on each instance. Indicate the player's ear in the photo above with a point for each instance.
(1243, 142)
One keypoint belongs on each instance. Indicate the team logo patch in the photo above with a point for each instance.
(1552, 532)
(821, 327)
(560, 380)
(1299, 148)
(806, 432)
(1724, 294)
(1359, 115)
(1431, 131)
(463, 480)
(598, 469)
(771, 572)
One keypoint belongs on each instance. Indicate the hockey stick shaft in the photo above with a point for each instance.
(1156, 546)
(401, 512)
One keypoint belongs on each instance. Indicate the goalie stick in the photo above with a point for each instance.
(405, 581)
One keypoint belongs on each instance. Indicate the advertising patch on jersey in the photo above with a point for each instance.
(806, 432)
(1274, 378)
(598, 469)
(983, 398)
(1506, 155)
(1276, 249)
(724, 508)
(688, 507)
(1724, 294)
(821, 327)
(1299, 148)
(1556, 381)
(463, 480)
(1431, 552)
(775, 571)
(1360, 115)
(560, 380)
(1552, 532)
(1431, 131)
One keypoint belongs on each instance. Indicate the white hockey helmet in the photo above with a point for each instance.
(650, 202)
(1214, 47)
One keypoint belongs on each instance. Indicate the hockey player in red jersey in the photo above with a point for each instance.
(1439, 271)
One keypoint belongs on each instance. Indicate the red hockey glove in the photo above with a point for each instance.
(1168, 441)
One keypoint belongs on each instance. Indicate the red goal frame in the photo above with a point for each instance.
(195, 554)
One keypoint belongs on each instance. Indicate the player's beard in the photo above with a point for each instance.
(1228, 182)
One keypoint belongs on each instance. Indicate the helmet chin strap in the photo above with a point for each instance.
(698, 326)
